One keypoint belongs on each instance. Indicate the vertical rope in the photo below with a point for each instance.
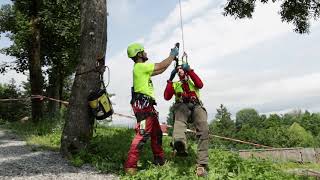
(181, 24)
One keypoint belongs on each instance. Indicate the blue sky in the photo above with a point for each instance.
(259, 63)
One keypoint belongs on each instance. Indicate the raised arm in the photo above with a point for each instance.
(194, 77)
(163, 65)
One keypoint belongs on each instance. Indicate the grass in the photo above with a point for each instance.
(109, 146)
(293, 165)
(44, 135)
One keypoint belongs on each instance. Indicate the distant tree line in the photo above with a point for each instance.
(293, 129)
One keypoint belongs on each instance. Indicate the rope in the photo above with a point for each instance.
(35, 97)
(231, 139)
(181, 25)
(108, 76)
(132, 117)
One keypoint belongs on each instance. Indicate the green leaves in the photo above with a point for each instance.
(299, 13)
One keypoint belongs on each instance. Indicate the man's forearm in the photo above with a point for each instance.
(162, 66)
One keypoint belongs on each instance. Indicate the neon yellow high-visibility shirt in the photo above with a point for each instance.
(142, 79)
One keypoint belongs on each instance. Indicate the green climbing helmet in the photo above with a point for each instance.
(133, 49)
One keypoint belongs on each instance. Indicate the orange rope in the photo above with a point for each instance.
(132, 117)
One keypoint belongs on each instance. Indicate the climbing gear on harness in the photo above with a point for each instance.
(142, 127)
(134, 49)
(99, 100)
(100, 104)
(177, 45)
(186, 95)
(142, 105)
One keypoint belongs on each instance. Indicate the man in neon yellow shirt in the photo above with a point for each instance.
(142, 102)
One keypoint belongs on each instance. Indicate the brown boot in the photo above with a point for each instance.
(201, 171)
(131, 171)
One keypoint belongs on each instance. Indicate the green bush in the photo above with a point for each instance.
(13, 110)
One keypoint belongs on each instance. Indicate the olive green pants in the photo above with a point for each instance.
(188, 113)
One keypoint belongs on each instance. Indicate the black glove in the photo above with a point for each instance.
(173, 74)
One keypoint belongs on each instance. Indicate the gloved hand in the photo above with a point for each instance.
(186, 67)
(173, 74)
(174, 51)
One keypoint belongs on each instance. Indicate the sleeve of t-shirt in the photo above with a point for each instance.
(148, 68)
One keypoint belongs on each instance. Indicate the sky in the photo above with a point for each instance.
(250, 63)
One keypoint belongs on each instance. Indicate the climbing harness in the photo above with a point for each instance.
(142, 105)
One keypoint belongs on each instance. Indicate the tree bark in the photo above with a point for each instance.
(78, 128)
(54, 92)
(36, 79)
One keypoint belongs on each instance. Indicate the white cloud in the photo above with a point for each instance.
(211, 38)
(259, 63)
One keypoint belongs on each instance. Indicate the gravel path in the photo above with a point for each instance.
(17, 161)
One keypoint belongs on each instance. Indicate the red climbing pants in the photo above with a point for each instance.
(145, 129)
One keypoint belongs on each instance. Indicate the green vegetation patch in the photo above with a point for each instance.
(44, 135)
(108, 150)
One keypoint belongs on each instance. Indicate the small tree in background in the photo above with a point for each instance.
(299, 137)
(222, 125)
(13, 110)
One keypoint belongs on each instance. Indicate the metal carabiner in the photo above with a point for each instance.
(184, 56)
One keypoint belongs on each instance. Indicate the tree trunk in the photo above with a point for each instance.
(78, 128)
(36, 79)
(53, 92)
(61, 86)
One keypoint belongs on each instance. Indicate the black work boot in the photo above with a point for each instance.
(157, 160)
(180, 147)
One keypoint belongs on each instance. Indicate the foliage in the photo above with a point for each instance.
(222, 125)
(223, 164)
(44, 135)
(299, 136)
(170, 120)
(247, 116)
(108, 151)
(296, 12)
(13, 110)
(60, 24)
(294, 129)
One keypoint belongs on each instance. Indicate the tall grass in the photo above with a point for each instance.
(108, 149)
